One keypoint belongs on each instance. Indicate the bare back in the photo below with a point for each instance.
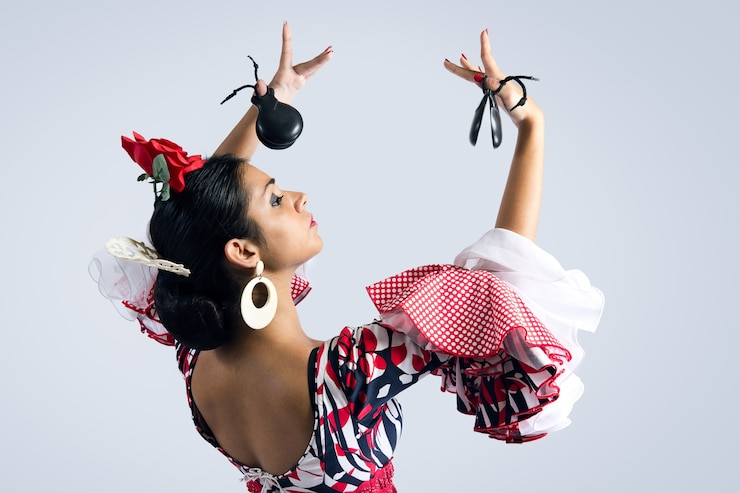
(257, 406)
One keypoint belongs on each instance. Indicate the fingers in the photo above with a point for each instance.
(289, 79)
(508, 94)
(462, 72)
(468, 71)
(487, 58)
(260, 87)
(305, 69)
(286, 55)
(466, 63)
(309, 68)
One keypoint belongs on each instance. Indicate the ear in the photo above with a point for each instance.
(242, 253)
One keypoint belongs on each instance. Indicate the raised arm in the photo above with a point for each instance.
(520, 204)
(288, 80)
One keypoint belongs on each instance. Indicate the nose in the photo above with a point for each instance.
(301, 200)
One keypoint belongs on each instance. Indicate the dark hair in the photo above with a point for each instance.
(192, 228)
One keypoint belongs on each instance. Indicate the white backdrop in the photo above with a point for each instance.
(641, 181)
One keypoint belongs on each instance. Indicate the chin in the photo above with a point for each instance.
(314, 253)
(319, 247)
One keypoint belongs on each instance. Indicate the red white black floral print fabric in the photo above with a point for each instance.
(499, 328)
(354, 379)
(506, 361)
(356, 376)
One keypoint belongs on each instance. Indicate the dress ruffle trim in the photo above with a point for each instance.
(504, 361)
(507, 316)
(130, 287)
(461, 312)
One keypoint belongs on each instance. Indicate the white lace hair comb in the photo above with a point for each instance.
(136, 251)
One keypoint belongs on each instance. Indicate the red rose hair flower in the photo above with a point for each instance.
(144, 152)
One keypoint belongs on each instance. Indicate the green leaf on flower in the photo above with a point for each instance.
(142, 177)
(165, 192)
(160, 171)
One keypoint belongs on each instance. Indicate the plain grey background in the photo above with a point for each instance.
(641, 106)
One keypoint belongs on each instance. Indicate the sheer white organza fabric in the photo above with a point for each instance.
(128, 285)
(564, 300)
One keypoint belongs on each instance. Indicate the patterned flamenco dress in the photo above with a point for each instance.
(498, 327)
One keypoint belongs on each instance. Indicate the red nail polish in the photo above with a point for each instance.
(463, 55)
(486, 30)
(478, 77)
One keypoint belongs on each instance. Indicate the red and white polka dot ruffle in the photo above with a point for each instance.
(462, 312)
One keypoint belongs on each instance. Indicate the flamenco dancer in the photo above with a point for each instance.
(221, 279)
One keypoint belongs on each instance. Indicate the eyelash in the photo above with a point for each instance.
(276, 200)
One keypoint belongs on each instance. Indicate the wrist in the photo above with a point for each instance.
(528, 117)
(283, 93)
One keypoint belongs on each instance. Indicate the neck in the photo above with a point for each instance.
(284, 331)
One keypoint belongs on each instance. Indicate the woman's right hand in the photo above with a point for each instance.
(522, 197)
(510, 93)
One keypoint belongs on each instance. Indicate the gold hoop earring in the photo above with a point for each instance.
(258, 317)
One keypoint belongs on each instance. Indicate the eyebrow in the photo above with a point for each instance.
(271, 182)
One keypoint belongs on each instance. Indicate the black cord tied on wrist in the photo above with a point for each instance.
(495, 114)
(278, 124)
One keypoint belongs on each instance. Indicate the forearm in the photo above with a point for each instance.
(520, 205)
(242, 140)
(522, 197)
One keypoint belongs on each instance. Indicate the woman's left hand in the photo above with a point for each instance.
(289, 78)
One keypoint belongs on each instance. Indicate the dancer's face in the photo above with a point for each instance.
(289, 230)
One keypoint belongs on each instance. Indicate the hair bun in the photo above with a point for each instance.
(193, 319)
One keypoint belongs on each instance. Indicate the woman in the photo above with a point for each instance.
(494, 340)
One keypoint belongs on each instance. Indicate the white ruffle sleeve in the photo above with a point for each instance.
(509, 315)
(564, 300)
